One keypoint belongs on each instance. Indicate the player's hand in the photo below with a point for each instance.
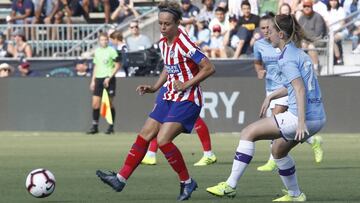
(179, 86)
(92, 85)
(301, 131)
(143, 89)
(106, 82)
(264, 107)
(261, 74)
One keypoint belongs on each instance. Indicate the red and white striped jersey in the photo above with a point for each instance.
(181, 63)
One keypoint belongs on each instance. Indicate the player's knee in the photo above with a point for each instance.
(247, 133)
(162, 140)
(278, 153)
(147, 133)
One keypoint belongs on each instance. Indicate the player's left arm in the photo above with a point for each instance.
(206, 69)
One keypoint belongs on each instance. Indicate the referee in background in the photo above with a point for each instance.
(106, 64)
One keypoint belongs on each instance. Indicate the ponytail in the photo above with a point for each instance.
(290, 26)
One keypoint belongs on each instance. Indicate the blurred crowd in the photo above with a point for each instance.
(221, 28)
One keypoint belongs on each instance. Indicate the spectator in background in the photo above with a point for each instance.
(216, 44)
(336, 13)
(235, 9)
(285, 9)
(190, 13)
(97, 6)
(21, 48)
(5, 70)
(219, 20)
(350, 7)
(117, 40)
(229, 47)
(124, 11)
(4, 46)
(137, 41)
(202, 34)
(315, 28)
(246, 26)
(292, 3)
(45, 11)
(66, 9)
(25, 71)
(320, 8)
(21, 12)
(208, 10)
(82, 68)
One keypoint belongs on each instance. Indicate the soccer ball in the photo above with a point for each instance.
(40, 183)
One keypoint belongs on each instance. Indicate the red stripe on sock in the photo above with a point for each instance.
(175, 159)
(135, 155)
(203, 133)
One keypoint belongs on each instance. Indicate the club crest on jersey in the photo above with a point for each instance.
(172, 69)
(172, 53)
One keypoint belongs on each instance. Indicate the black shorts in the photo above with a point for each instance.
(99, 86)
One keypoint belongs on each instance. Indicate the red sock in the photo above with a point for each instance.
(135, 155)
(203, 133)
(153, 145)
(175, 159)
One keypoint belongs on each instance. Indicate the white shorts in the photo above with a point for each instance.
(288, 123)
(283, 101)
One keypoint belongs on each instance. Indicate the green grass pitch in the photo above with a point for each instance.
(74, 157)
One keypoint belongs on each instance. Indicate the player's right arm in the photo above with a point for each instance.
(258, 64)
(143, 89)
(281, 92)
(259, 68)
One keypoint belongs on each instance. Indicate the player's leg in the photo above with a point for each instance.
(180, 118)
(204, 136)
(168, 132)
(150, 157)
(277, 106)
(288, 124)
(264, 129)
(316, 145)
(287, 171)
(137, 152)
(134, 157)
(270, 165)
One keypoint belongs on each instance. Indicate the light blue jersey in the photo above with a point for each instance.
(295, 63)
(265, 52)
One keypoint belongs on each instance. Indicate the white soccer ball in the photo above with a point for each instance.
(40, 183)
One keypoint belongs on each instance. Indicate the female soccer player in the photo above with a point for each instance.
(106, 64)
(203, 134)
(266, 66)
(304, 117)
(185, 66)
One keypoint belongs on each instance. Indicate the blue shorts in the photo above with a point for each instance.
(184, 112)
(160, 95)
